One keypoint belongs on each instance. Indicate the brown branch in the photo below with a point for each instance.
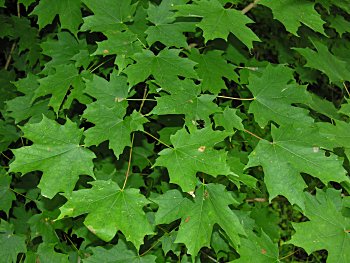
(249, 7)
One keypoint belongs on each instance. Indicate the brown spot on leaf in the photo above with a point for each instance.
(201, 149)
(263, 251)
(187, 219)
(106, 51)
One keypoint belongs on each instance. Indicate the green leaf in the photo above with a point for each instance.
(105, 199)
(68, 11)
(165, 67)
(326, 62)
(339, 23)
(123, 44)
(295, 149)
(108, 114)
(257, 249)
(108, 93)
(108, 15)
(119, 253)
(10, 243)
(198, 217)
(46, 253)
(294, 13)
(218, 22)
(273, 102)
(337, 135)
(211, 69)
(21, 107)
(8, 135)
(185, 99)
(327, 229)
(6, 195)
(165, 29)
(62, 50)
(228, 119)
(192, 153)
(57, 153)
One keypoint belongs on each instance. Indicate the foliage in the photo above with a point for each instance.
(174, 131)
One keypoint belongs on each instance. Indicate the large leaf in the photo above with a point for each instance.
(274, 93)
(211, 69)
(218, 22)
(323, 60)
(109, 15)
(105, 200)
(295, 149)
(327, 229)
(199, 217)
(119, 253)
(192, 153)
(294, 13)
(165, 29)
(68, 11)
(165, 67)
(185, 99)
(108, 112)
(10, 243)
(56, 151)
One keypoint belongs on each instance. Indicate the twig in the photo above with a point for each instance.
(7, 64)
(346, 88)
(234, 98)
(257, 199)
(129, 162)
(249, 7)
(154, 137)
(256, 136)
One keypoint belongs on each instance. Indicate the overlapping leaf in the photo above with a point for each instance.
(274, 93)
(199, 217)
(110, 209)
(218, 22)
(56, 151)
(294, 13)
(294, 150)
(192, 153)
(327, 229)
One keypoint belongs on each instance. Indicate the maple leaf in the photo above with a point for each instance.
(10, 243)
(123, 44)
(293, 13)
(119, 253)
(256, 248)
(323, 60)
(185, 99)
(218, 22)
(109, 15)
(165, 67)
(165, 29)
(68, 11)
(6, 195)
(58, 85)
(327, 229)
(199, 217)
(57, 153)
(211, 69)
(47, 253)
(228, 119)
(273, 101)
(21, 107)
(295, 149)
(108, 114)
(337, 135)
(62, 50)
(105, 199)
(192, 153)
